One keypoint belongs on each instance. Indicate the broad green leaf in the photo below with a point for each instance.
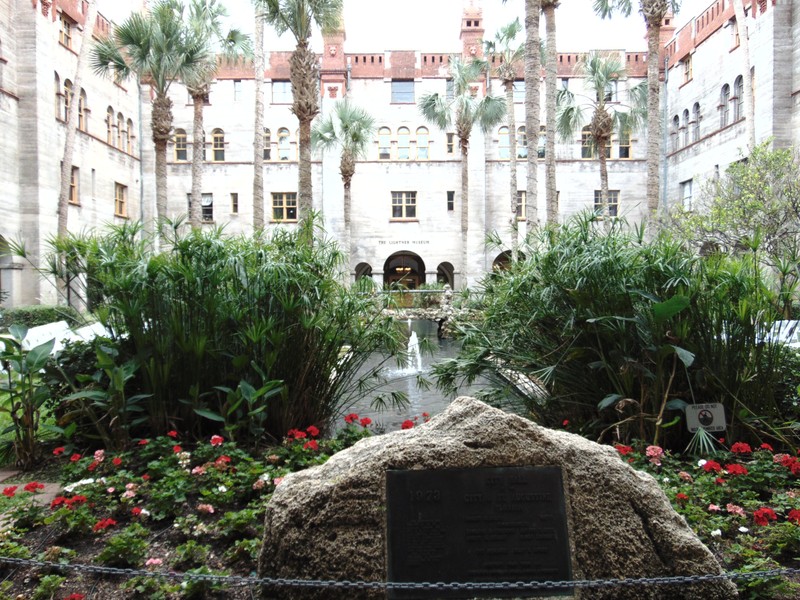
(209, 415)
(609, 400)
(37, 357)
(687, 358)
(677, 404)
(663, 311)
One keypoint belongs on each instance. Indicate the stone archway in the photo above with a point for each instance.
(405, 269)
(363, 270)
(5, 272)
(502, 261)
(445, 273)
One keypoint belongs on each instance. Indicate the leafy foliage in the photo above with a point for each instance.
(34, 316)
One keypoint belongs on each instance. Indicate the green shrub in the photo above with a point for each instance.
(36, 315)
(126, 549)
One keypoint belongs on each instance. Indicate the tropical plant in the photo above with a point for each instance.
(350, 128)
(205, 29)
(550, 100)
(533, 73)
(299, 17)
(157, 48)
(653, 12)
(464, 111)
(505, 47)
(597, 108)
(258, 126)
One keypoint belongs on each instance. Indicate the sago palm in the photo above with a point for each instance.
(350, 128)
(157, 48)
(205, 27)
(463, 112)
(299, 17)
(595, 109)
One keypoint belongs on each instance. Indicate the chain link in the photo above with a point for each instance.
(242, 581)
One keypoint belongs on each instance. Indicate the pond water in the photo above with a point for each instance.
(421, 333)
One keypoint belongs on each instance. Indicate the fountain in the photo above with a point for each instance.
(414, 359)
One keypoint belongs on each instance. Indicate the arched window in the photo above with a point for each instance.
(403, 143)
(267, 143)
(284, 148)
(120, 130)
(180, 145)
(82, 111)
(696, 122)
(129, 129)
(676, 128)
(218, 145)
(423, 142)
(503, 150)
(67, 97)
(59, 94)
(587, 146)
(724, 98)
(522, 143)
(686, 127)
(384, 143)
(541, 145)
(738, 100)
(110, 126)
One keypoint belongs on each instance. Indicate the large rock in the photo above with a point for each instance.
(329, 522)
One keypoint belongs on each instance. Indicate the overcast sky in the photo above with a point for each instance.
(434, 25)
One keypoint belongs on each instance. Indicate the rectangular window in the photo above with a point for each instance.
(521, 195)
(218, 147)
(402, 92)
(120, 200)
(404, 205)
(613, 202)
(451, 200)
(207, 205)
(519, 91)
(74, 186)
(686, 194)
(451, 145)
(449, 93)
(281, 92)
(625, 145)
(234, 203)
(687, 68)
(564, 83)
(65, 33)
(237, 90)
(181, 146)
(284, 206)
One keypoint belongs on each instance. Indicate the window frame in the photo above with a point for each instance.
(217, 145)
(384, 143)
(282, 92)
(423, 139)
(403, 143)
(234, 203)
(587, 146)
(724, 101)
(207, 208)
(65, 30)
(404, 205)
(110, 126)
(522, 198)
(400, 95)
(695, 122)
(82, 111)
(613, 203)
(74, 186)
(120, 200)
(68, 95)
(267, 141)
(285, 202)
(522, 143)
(181, 141)
(503, 143)
(738, 99)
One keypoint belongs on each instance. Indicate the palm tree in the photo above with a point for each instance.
(533, 71)
(510, 53)
(550, 87)
(747, 76)
(351, 128)
(653, 12)
(205, 27)
(298, 17)
(258, 137)
(157, 48)
(464, 111)
(596, 109)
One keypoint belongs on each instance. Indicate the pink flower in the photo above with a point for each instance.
(153, 562)
(99, 455)
(685, 476)
(205, 509)
(365, 422)
(58, 451)
(714, 508)
(735, 510)
(654, 453)
(407, 424)
(217, 440)
(764, 515)
(110, 490)
(198, 470)
(277, 481)
(741, 448)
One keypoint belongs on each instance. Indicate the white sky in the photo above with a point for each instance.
(434, 25)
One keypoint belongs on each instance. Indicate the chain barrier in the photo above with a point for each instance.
(242, 581)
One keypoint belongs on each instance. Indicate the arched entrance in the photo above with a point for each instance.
(363, 270)
(502, 261)
(5, 272)
(445, 274)
(405, 269)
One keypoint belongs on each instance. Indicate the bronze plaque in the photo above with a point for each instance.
(477, 525)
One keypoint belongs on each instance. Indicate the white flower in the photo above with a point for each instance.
(716, 533)
(222, 489)
(743, 529)
(264, 477)
(72, 486)
(701, 462)
(666, 479)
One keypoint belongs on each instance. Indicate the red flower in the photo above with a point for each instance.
(565, 423)
(295, 434)
(75, 458)
(136, 511)
(75, 596)
(735, 469)
(365, 422)
(407, 424)
(144, 442)
(57, 501)
(719, 481)
(33, 487)
(712, 465)
(764, 515)
(721, 440)
(93, 465)
(623, 450)
(741, 448)
(9, 491)
(177, 449)
(116, 461)
(351, 418)
(216, 440)
(222, 461)
(311, 444)
(766, 447)
(173, 434)
(794, 516)
(681, 497)
(312, 431)
(58, 451)
(76, 500)
(103, 524)
(146, 477)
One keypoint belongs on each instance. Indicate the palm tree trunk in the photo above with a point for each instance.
(747, 76)
(305, 106)
(533, 71)
(551, 77)
(464, 143)
(601, 149)
(258, 137)
(198, 145)
(72, 120)
(512, 170)
(347, 236)
(162, 127)
(653, 118)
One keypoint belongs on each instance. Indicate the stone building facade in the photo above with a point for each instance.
(405, 194)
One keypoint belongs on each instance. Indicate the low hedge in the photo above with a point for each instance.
(38, 314)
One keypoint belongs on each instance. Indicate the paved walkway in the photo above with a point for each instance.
(44, 497)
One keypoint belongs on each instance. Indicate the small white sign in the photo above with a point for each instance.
(710, 417)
